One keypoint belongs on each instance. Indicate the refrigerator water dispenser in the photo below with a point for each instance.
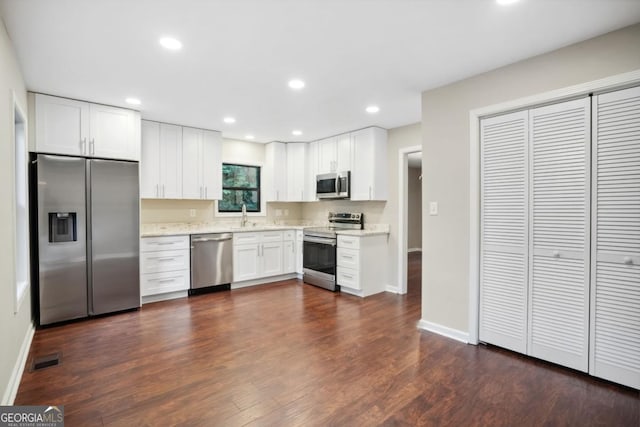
(62, 227)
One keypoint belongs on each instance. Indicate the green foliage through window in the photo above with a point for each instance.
(240, 184)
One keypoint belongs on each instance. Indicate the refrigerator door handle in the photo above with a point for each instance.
(93, 146)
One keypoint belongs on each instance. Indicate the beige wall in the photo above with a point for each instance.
(13, 326)
(445, 165)
(414, 208)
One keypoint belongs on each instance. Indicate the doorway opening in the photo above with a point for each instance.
(410, 221)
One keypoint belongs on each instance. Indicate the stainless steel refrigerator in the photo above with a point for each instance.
(87, 236)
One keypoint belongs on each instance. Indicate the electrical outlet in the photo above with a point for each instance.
(192, 213)
(433, 208)
(286, 212)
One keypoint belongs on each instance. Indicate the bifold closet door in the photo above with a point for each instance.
(503, 228)
(559, 167)
(615, 289)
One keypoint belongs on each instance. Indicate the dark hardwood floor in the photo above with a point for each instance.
(292, 354)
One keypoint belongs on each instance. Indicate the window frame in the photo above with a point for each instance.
(258, 188)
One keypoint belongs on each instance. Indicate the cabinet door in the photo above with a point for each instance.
(192, 163)
(559, 137)
(615, 250)
(212, 165)
(275, 172)
(62, 125)
(170, 161)
(369, 172)
(311, 170)
(113, 133)
(296, 160)
(271, 256)
(289, 255)
(150, 160)
(299, 248)
(246, 262)
(344, 152)
(503, 229)
(327, 154)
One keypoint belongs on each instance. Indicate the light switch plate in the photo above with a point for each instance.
(433, 208)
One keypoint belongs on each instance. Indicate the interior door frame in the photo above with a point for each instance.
(403, 209)
(618, 81)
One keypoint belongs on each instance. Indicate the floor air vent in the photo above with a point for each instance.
(47, 361)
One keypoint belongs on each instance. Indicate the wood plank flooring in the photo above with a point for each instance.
(288, 354)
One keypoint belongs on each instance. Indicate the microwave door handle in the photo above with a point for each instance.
(337, 184)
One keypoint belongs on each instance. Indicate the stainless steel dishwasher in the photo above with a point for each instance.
(211, 260)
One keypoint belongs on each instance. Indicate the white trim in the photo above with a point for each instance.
(392, 289)
(264, 280)
(147, 299)
(445, 331)
(414, 250)
(601, 85)
(11, 391)
(402, 209)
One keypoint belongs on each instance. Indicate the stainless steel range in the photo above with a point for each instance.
(319, 252)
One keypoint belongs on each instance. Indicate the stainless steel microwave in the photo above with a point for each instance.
(335, 185)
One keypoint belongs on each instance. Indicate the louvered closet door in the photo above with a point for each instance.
(615, 290)
(503, 266)
(559, 229)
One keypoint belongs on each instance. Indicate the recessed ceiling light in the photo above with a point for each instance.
(133, 101)
(506, 2)
(372, 109)
(296, 84)
(170, 43)
(249, 136)
(296, 132)
(229, 120)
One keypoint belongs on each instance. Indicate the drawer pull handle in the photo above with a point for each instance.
(166, 259)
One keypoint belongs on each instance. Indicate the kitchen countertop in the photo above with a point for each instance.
(181, 229)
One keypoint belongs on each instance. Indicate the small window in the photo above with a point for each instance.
(240, 185)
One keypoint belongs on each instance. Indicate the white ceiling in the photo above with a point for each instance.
(238, 55)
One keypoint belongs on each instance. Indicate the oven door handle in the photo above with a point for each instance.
(320, 240)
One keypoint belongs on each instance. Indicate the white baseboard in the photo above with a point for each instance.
(254, 282)
(10, 393)
(444, 331)
(415, 250)
(164, 297)
(392, 289)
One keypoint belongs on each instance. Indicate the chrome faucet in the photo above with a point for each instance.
(243, 221)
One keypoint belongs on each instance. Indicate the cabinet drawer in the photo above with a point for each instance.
(348, 242)
(348, 258)
(289, 235)
(246, 238)
(348, 277)
(272, 236)
(159, 283)
(164, 243)
(162, 261)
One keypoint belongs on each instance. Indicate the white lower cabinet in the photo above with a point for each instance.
(164, 265)
(361, 264)
(299, 248)
(289, 252)
(258, 254)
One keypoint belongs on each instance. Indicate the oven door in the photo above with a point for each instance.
(319, 261)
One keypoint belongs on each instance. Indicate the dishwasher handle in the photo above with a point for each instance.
(211, 239)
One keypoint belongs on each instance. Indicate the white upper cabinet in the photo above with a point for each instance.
(67, 126)
(274, 173)
(311, 171)
(344, 152)
(296, 172)
(201, 164)
(327, 155)
(369, 171)
(161, 161)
